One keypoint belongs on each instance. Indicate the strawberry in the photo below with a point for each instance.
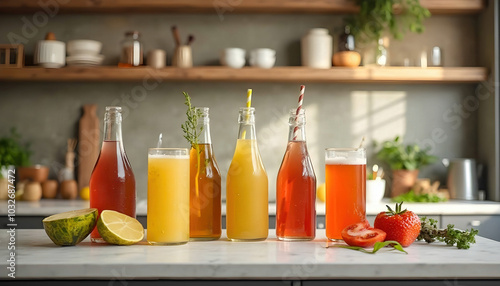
(401, 226)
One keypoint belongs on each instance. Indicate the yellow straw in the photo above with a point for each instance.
(249, 97)
(249, 104)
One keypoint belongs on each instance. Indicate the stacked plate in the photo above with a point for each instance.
(84, 53)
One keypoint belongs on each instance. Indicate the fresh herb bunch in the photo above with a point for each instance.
(451, 236)
(398, 16)
(411, 197)
(190, 127)
(12, 152)
(192, 134)
(404, 157)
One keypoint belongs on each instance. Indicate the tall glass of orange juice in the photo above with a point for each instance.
(345, 179)
(247, 217)
(168, 196)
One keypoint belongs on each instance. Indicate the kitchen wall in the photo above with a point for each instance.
(338, 115)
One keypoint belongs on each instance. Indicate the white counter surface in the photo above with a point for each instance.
(454, 207)
(37, 257)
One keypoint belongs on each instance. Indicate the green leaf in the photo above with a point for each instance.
(375, 17)
(376, 247)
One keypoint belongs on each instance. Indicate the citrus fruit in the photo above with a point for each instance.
(118, 228)
(85, 193)
(70, 228)
(321, 192)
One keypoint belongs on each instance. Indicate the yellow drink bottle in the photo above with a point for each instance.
(247, 217)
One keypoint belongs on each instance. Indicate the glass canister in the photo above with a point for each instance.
(132, 50)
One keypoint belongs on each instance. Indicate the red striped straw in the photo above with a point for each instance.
(299, 107)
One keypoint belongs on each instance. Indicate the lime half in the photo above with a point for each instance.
(120, 229)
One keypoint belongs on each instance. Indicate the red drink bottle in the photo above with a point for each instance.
(296, 186)
(112, 183)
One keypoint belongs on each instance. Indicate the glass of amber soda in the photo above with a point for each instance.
(345, 178)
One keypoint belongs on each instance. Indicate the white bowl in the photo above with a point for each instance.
(233, 61)
(233, 57)
(265, 62)
(375, 190)
(263, 58)
(234, 51)
(50, 54)
(84, 47)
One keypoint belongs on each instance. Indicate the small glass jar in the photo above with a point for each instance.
(132, 50)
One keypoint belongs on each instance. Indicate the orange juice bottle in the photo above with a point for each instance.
(247, 216)
(205, 184)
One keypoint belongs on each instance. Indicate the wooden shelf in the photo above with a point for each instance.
(224, 6)
(249, 74)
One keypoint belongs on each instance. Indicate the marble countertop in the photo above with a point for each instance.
(454, 207)
(38, 258)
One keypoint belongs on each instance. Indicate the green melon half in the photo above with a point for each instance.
(70, 228)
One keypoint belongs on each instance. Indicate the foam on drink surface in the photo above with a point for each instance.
(348, 159)
(161, 156)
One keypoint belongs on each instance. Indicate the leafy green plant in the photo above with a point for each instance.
(412, 197)
(12, 152)
(404, 157)
(377, 16)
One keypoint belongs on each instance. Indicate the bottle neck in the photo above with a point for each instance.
(246, 119)
(113, 125)
(297, 125)
(204, 126)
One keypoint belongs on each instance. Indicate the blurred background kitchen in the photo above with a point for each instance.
(458, 120)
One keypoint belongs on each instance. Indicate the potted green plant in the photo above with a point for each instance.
(405, 162)
(375, 17)
(12, 154)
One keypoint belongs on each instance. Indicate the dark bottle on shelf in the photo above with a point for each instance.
(346, 40)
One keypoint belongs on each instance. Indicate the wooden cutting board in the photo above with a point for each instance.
(88, 144)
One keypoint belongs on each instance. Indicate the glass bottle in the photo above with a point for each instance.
(112, 183)
(296, 186)
(132, 50)
(381, 53)
(346, 40)
(247, 216)
(205, 185)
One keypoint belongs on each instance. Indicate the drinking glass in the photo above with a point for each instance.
(168, 196)
(345, 179)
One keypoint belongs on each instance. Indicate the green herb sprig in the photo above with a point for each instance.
(376, 247)
(190, 127)
(451, 236)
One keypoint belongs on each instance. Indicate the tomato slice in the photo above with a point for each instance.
(361, 234)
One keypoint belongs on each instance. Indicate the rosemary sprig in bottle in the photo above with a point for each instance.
(192, 133)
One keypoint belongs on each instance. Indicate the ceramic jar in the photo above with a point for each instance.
(50, 54)
(316, 47)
